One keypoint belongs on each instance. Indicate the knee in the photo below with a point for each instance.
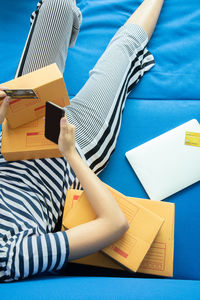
(131, 36)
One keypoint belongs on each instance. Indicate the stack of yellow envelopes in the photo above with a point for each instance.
(147, 246)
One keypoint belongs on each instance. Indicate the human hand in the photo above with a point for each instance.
(4, 105)
(66, 140)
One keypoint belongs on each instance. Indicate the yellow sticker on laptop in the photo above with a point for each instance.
(192, 138)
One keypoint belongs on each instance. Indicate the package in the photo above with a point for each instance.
(98, 259)
(131, 249)
(47, 83)
(27, 142)
(159, 258)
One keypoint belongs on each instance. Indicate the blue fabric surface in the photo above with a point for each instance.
(166, 97)
(101, 288)
(175, 44)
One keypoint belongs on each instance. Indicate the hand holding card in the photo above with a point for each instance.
(2, 93)
(4, 105)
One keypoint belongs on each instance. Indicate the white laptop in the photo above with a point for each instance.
(165, 165)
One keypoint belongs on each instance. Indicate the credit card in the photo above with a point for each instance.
(21, 94)
(192, 138)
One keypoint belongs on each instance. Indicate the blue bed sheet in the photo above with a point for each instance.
(175, 44)
(75, 288)
(166, 97)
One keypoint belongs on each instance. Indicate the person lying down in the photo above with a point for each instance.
(33, 192)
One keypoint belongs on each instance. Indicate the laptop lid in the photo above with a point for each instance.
(165, 165)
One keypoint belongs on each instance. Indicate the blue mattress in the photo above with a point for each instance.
(166, 97)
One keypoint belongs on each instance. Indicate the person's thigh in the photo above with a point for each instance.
(51, 33)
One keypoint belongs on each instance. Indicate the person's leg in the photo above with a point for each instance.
(55, 26)
(97, 109)
(147, 15)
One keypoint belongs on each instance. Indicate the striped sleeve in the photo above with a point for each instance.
(30, 255)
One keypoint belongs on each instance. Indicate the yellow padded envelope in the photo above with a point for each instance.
(72, 199)
(159, 258)
(159, 264)
(98, 259)
(131, 249)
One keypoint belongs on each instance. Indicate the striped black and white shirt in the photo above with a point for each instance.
(32, 195)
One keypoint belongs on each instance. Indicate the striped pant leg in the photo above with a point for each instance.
(96, 110)
(54, 28)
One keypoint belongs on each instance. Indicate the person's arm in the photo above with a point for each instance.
(110, 223)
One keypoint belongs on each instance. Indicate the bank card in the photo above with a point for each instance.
(192, 138)
(21, 93)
